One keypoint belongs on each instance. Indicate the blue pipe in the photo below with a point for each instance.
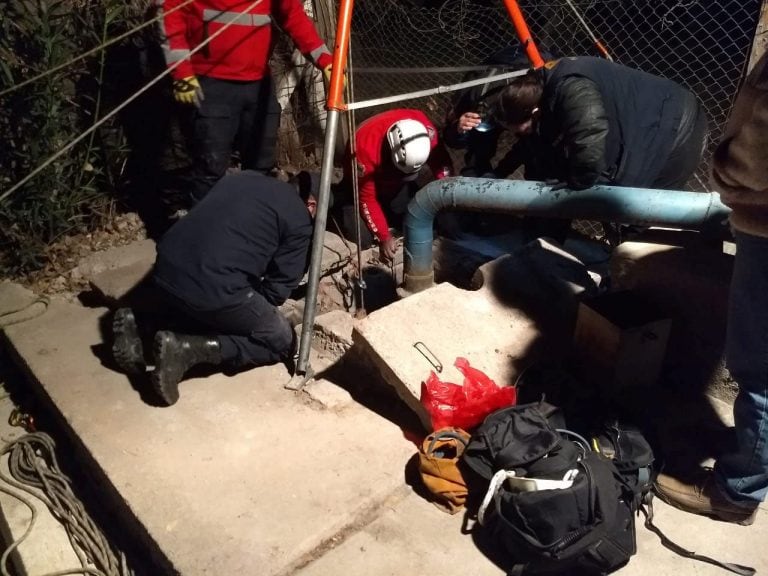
(639, 206)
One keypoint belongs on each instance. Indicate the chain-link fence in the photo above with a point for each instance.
(400, 46)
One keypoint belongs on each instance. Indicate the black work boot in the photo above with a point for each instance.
(127, 348)
(177, 353)
(290, 356)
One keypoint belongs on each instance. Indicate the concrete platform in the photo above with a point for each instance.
(239, 474)
(243, 477)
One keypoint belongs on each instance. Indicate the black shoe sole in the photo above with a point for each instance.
(127, 348)
(165, 381)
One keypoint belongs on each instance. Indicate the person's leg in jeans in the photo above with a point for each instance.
(211, 129)
(259, 125)
(744, 474)
(739, 482)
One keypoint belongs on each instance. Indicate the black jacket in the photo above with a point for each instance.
(603, 122)
(250, 232)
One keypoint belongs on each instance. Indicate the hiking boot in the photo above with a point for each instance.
(703, 496)
(127, 348)
(175, 354)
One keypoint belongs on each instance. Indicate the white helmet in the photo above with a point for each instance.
(410, 145)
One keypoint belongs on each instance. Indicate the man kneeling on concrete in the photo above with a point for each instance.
(223, 270)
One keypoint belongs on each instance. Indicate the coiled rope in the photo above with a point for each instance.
(34, 469)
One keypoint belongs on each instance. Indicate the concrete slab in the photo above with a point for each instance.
(141, 252)
(239, 474)
(410, 537)
(499, 327)
(114, 285)
(429, 541)
(450, 323)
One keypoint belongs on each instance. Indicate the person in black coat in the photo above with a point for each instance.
(223, 270)
(584, 121)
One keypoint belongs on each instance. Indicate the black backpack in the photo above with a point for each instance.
(584, 523)
(625, 445)
(553, 504)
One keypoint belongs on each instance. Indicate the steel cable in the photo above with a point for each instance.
(360, 311)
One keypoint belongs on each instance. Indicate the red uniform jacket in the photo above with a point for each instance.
(379, 180)
(242, 50)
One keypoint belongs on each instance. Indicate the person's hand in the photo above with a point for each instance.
(444, 172)
(388, 249)
(555, 184)
(468, 121)
(187, 91)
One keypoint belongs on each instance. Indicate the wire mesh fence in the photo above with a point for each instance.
(401, 46)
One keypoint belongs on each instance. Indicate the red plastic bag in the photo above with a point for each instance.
(451, 405)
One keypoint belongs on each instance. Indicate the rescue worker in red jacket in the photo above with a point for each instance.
(391, 149)
(226, 85)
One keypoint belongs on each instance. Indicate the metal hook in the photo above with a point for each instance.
(427, 353)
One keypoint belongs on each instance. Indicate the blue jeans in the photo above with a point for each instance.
(744, 474)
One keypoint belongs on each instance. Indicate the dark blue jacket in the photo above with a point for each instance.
(250, 232)
(606, 122)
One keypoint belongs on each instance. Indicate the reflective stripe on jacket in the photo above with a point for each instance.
(239, 40)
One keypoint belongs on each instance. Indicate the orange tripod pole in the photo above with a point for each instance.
(523, 33)
(335, 99)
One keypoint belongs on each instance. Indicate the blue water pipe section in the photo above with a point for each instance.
(623, 205)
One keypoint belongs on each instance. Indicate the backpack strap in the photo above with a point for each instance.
(493, 488)
(647, 511)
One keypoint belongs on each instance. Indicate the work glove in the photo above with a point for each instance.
(327, 75)
(187, 91)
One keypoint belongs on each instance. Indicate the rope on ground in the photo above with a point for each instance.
(93, 51)
(6, 318)
(33, 465)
